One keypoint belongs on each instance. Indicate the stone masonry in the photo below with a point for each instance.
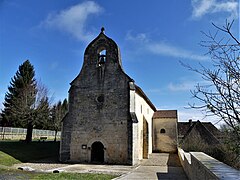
(110, 119)
(98, 108)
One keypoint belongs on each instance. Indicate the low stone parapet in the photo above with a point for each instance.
(198, 165)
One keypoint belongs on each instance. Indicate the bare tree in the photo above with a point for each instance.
(221, 95)
(58, 111)
(40, 115)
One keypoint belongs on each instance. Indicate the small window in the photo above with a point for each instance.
(162, 131)
(141, 108)
(100, 99)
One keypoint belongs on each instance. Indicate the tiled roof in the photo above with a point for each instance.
(215, 131)
(165, 114)
(205, 134)
(183, 128)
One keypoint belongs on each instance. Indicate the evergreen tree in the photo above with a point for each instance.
(21, 95)
(64, 108)
(26, 102)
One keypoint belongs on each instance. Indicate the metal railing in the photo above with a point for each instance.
(20, 133)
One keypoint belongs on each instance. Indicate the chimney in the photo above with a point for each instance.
(190, 122)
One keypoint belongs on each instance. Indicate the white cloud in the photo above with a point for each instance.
(166, 49)
(187, 85)
(187, 114)
(154, 91)
(141, 37)
(144, 43)
(184, 86)
(203, 7)
(73, 20)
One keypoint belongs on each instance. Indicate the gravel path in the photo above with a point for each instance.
(40, 166)
(158, 166)
(75, 168)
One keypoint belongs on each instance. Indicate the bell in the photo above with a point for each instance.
(102, 59)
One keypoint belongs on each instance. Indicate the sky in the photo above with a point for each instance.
(153, 37)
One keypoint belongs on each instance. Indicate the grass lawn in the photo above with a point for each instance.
(17, 174)
(7, 160)
(12, 152)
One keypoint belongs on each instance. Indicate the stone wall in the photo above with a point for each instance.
(165, 134)
(98, 108)
(106, 108)
(200, 166)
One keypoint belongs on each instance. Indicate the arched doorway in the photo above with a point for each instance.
(97, 152)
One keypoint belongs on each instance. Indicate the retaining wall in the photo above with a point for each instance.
(200, 166)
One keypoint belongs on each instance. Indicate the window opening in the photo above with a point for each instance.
(162, 131)
(100, 98)
(102, 57)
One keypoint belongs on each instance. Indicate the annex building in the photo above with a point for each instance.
(110, 118)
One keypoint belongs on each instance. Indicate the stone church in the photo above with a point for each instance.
(110, 119)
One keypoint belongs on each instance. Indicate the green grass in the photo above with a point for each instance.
(7, 160)
(63, 176)
(12, 152)
(17, 174)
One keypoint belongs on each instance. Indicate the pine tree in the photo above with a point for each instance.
(64, 108)
(19, 100)
(26, 102)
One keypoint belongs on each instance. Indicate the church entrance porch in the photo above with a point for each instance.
(97, 152)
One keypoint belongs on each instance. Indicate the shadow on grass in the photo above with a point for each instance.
(42, 152)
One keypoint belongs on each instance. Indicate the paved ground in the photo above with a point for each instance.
(158, 166)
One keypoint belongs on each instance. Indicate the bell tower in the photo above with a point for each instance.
(99, 103)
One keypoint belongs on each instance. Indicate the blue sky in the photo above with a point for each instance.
(153, 36)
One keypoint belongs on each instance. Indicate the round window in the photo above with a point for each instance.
(100, 98)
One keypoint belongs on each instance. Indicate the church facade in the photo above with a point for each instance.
(110, 119)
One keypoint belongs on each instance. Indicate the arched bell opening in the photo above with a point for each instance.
(102, 54)
(97, 152)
